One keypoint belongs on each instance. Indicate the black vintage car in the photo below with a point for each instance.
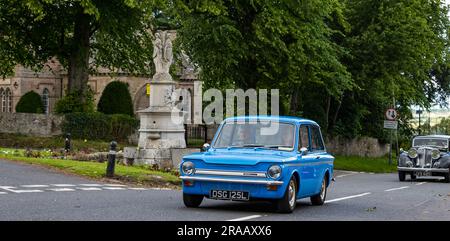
(429, 156)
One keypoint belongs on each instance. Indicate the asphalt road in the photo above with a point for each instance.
(34, 193)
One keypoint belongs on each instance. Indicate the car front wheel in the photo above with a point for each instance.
(289, 200)
(447, 176)
(192, 201)
(401, 176)
(319, 199)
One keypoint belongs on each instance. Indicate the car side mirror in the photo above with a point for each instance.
(303, 150)
(206, 147)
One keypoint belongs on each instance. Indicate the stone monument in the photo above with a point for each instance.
(161, 125)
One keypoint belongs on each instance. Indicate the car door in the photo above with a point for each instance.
(306, 162)
(319, 157)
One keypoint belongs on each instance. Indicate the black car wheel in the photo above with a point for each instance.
(401, 176)
(319, 199)
(447, 176)
(289, 200)
(413, 176)
(192, 201)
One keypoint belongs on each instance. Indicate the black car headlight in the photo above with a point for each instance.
(274, 172)
(412, 153)
(188, 168)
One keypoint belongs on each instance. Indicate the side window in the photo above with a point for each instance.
(304, 140)
(316, 139)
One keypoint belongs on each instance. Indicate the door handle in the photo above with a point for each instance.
(317, 157)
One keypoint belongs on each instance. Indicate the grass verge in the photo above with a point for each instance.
(365, 164)
(96, 170)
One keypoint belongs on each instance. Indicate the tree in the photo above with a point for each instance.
(116, 99)
(82, 34)
(267, 44)
(30, 102)
(395, 50)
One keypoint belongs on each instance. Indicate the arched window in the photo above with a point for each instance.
(2, 100)
(8, 100)
(45, 101)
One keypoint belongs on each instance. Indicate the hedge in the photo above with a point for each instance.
(30, 102)
(99, 126)
(116, 99)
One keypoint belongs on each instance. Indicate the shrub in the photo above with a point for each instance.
(116, 99)
(30, 102)
(70, 103)
(99, 126)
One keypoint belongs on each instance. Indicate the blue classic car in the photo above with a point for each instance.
(428, 156)
(280, 159)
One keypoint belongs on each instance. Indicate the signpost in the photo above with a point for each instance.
(391, 123)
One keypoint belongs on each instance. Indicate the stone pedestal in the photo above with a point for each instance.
(161, 125)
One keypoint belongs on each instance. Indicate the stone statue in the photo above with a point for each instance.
(162, 52)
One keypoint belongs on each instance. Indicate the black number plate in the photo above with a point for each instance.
(229, 195)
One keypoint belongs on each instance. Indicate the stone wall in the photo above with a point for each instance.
(31, 124)
(362, 146)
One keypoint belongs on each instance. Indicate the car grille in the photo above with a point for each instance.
(424, 159)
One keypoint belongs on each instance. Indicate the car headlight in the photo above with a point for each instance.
(435, 154)
(412, 153)
(188, 168)
(274, 172)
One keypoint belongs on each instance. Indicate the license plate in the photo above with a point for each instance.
(423, 173)
(229, 195)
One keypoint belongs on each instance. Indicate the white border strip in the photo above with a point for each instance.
(348, 197)
(245, 218)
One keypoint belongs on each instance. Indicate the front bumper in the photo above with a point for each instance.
(257, 188)
(232, 180)
(418, 169)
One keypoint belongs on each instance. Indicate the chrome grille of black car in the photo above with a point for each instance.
(424, 159)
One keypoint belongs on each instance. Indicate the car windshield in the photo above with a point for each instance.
(264, 134)
(434, 142)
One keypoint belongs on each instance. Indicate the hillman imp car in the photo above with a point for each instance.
(429, 156)
(280, 159)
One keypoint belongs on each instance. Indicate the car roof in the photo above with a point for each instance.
(292, 119)
(434, 136)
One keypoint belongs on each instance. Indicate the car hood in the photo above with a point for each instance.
(249, 156)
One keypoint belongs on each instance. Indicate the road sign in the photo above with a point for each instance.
(388, 124)
(391, 114)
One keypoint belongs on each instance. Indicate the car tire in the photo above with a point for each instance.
(288, 202)
(319, 199)
(401, 176)
(413, 176)
(192, 201)
(447, 177)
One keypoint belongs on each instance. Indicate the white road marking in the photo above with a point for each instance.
(398, 188)
(62, 189)
(115, 185)
(24, 191)
(420, 183)
(91, 185)
(158, 188)
(63, 185)
(114, 188)
(34, 186)
(245, 218)
(348, 197)
(6, 187)
(138, 188)
(3, 193)
(90, 188)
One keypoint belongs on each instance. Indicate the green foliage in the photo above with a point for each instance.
(30, 102)
(99, 126)
(70, 103)
(116, 99)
